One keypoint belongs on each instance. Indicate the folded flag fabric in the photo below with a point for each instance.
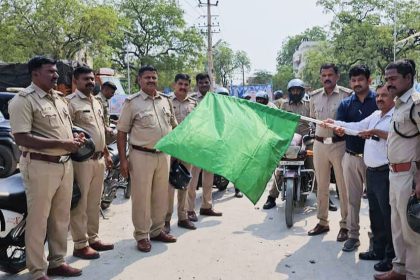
(235, 138)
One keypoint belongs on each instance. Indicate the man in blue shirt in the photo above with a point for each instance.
(355, 108)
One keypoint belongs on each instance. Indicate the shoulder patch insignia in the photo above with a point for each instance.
(416, 98)
(24, 92)
(70, 96)
(132, 96)
(316, 91)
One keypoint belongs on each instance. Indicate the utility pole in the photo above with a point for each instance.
(395, 29)
(210, 30)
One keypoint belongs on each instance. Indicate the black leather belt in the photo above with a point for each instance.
(97, 155)
(354, 154)
(381, 168)
(147, 150)
(48, 158)
(329, 140)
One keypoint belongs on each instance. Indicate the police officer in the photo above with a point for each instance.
(203, 84)
(41, 125)
(262, 98)
(404, 164)
(86, 112)
(279, 98)
(328, 148)
(298, 105)
(183, 105)
(147, 116)
(107, 92)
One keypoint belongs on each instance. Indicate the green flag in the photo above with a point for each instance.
(235, 138)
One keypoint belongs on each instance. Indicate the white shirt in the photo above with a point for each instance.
(374, 154)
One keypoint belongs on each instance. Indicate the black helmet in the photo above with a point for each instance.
(179, 176)
(413, 213)
(86, 150)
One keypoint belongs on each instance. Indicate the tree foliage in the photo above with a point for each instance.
(59, 28)
(292, 43)
(261, 77)
(227, 61)
(282, 77)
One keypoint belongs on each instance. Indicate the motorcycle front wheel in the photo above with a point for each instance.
(290, 193)
(12, 259)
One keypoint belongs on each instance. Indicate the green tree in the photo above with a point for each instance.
(155, 32)
(292, 43)
(282, 77)
(243, 62)
(59, 28)
(362, 31)
(261, 77)
(224, 63)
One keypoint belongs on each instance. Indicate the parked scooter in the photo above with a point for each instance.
(296, 179)
(114, 180)
(13, 213)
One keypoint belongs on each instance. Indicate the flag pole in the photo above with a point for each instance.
(329, 125)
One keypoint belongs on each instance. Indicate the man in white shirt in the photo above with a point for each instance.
(375, 130)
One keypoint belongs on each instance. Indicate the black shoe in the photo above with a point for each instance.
(383, 266)
(332, 206)
(351, 244)
(238, 193)
(369, 256)
(270, 203)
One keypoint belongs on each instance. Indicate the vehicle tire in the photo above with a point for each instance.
(12, 259)
(290, 193)
(7, 161)
(127, 190)
(105, 205)
(220, 182)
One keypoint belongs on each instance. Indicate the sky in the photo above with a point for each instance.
(258, 27)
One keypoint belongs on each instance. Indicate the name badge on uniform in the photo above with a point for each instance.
(86, 111)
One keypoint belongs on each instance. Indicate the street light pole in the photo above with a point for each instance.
(128, 71)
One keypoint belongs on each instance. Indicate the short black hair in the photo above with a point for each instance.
(358, 70)
(379, 86)
(146, 68)
(329, 66)
(202, 76)
(182, 76)
(36, 62)
(81, 70)
(403, 67)
(412, 63)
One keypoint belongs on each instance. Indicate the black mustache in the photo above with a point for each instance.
(327, 81)
(90, 84)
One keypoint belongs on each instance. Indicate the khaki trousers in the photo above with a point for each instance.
(149, 175)
(406, 241)
(48, 189)
(207, 185)
(326, 155)
(182, 200)
(354, 171)
(84, 218)
(276, 185)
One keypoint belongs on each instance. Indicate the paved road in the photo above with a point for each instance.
(246, 243)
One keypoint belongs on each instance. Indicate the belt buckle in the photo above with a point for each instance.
(63, 159)
(391, 168)
(328, 140)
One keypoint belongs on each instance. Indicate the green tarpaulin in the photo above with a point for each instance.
(238, 139)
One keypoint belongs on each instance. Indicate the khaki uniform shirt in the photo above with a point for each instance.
(102, 99)
(323, 106)
(198, 96)
(183, 107)
(405, 149)
(88, 114)
(42, 114)
(300, 108)
(146, 118)
(279, 102)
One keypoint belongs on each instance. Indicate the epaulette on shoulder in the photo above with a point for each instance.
(193, 98)
(194, 95)
(346, 90)
(26, 91)
(315, 92)
(132, 96)
(59, 93)
(71, 96)
(416, 97)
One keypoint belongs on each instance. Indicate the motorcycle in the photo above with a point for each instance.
(13, 213)
(295, 177)
(114, 180)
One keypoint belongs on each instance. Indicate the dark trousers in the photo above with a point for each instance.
(377, 181)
